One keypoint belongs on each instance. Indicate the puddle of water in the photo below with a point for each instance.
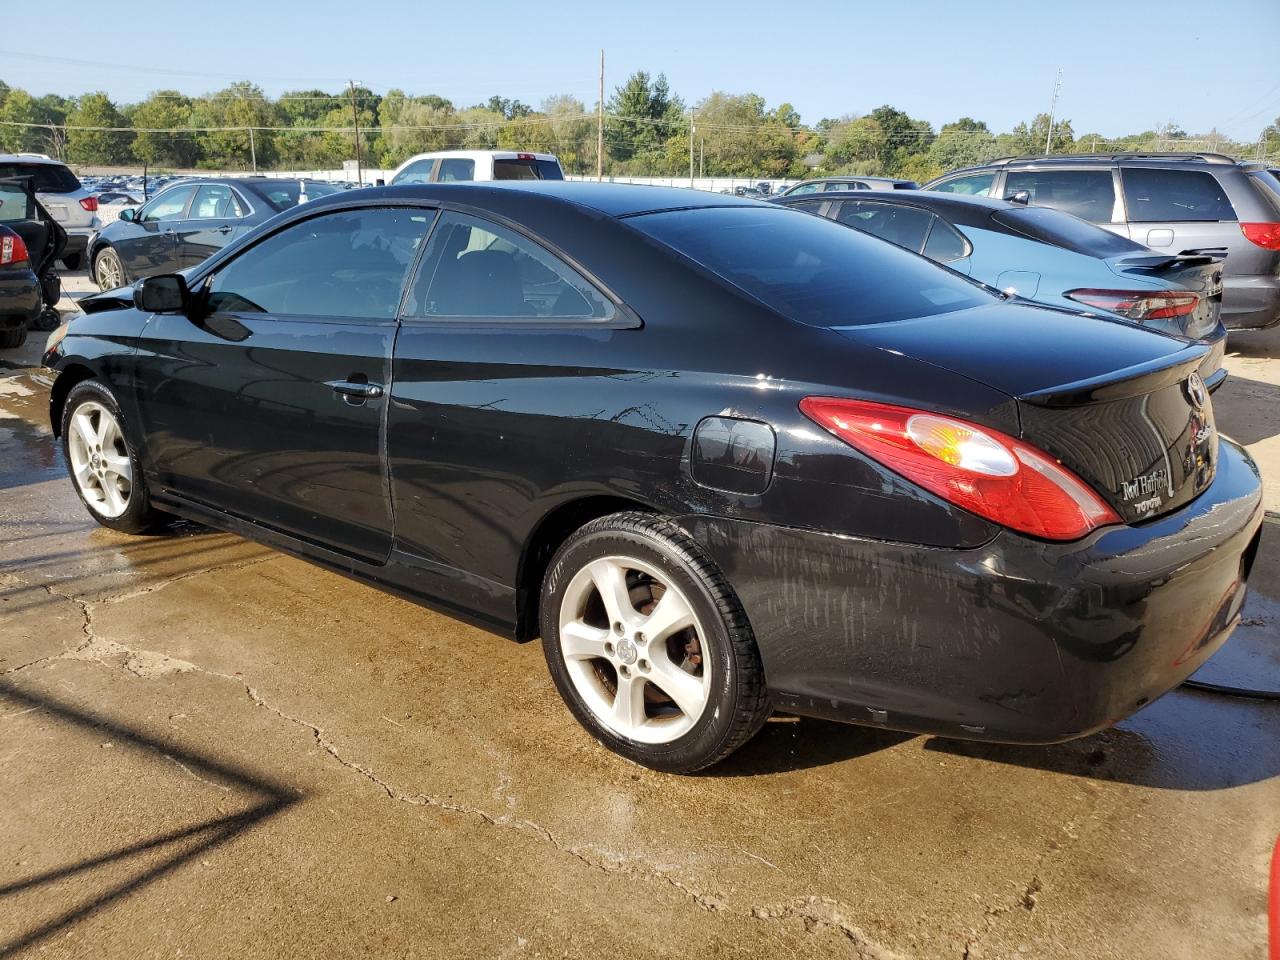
(28, 451)
(1251, 658)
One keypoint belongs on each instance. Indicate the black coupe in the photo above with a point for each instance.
(723, 457)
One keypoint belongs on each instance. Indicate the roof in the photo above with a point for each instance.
(29, 158)
(612, 199)
(958, 208)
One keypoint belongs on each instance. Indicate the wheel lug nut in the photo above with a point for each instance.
(608, 648)
(618, 629)
(640, 638)
(644, 666)
(624, 671)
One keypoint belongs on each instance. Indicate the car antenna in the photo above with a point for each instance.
(144, 182)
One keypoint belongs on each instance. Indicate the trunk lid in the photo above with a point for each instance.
(1197, 270)
(1123, 408)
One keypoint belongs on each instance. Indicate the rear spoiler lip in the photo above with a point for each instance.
(1124, 384)
(1154, 262)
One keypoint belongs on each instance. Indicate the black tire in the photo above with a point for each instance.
(13, 337)
(737, 703)
(72, 261)
(107, 255)
(49, 319)
(139, 516)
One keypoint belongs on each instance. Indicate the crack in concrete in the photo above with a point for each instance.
(170, 581)
(817, 912)
(1028, 898)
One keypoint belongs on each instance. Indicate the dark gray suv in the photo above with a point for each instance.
(1171, 202)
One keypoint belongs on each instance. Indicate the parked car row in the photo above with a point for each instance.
(1169, 202)
(723, 456)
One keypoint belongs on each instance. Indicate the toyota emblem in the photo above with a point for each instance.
(1196, 392)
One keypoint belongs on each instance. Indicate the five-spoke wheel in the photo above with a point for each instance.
(648, 644)
(103, 468)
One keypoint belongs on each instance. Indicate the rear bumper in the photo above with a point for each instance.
(19, 298)
(1250, 302)
(1016, 640)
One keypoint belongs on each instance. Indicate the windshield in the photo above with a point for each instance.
(48, 177)
(811, 269)
(283, 194)
(1064, 230)
(527, 170)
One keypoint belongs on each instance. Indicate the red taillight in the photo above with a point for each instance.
(12, 250)
(1265, 235)
(90, 204)
(1139, 304)
(977, 468)
(525, 156)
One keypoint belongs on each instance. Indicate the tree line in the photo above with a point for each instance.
(649, 130)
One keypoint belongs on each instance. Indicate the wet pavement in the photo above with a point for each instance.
(208, 749)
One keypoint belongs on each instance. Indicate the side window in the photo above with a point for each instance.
(15, 204)
(417, 172)
(457, 168)
(905, 226)
(1088, 194)
(1155, 196)
(945, 242)
(974, 185)
(349, 264)
(804, 188)
(844, 186)
(168, 206)
(475, 269)
(215, 202)
(808, 206)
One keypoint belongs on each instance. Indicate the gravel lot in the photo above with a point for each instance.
(208, 749)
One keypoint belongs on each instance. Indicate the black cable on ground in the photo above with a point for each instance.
(1232, 691)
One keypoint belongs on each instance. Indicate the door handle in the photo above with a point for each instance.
(224, 229)
(351, 390)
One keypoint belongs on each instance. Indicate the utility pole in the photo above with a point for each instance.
(702, 156)
(1053, 109)
(355, 117)
(691, 130)
(253, 151)
(600, 123)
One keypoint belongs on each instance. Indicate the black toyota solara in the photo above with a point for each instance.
(723, 458)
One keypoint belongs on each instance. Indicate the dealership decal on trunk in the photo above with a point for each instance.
(1145, 486)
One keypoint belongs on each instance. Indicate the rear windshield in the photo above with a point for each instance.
(809, 268)
(283, 194)
(1162, 196)
(527, 170)
(49, 177)
(1063, 230)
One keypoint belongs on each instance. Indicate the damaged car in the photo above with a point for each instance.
(722, 457)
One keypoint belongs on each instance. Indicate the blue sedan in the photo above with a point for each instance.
(1047, 256)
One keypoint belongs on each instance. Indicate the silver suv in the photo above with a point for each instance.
(1167, 201)
(62, 194)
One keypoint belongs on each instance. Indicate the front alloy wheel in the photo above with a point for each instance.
(107, 270)
(104, 470)
(649, 646)
(100, 464)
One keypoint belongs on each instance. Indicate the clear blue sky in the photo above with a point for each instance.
(1128, 65)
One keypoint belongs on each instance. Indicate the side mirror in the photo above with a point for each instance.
(379, 182)
(166, 293)
(127, 214)
(1022, 196)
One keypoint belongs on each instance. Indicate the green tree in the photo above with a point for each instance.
(227, 117)
(643, 115)
(19, 107)
(165, 110)
(961, 144)
(100, 146)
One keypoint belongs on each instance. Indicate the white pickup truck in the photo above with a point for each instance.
(446, 166)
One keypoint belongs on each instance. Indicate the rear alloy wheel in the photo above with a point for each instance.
(648, 644)
(72, 261)
(104, 470)
(107, 270)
